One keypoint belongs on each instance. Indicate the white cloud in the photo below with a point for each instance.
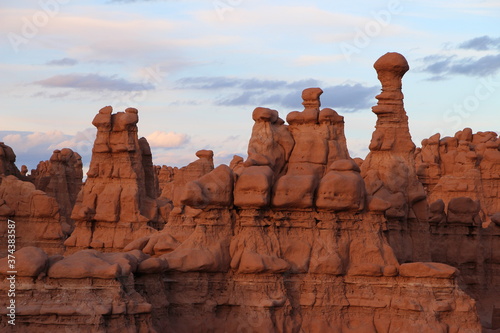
(160, 139)
(93, 82)
(25, 142)
(82, 142)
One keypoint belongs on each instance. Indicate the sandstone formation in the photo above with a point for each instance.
(36, 214)
(88, 291)
(465, 165)
(61, 178)
(462, 178)
(297, 237)
(7, 161)
(172, 180)
(118, 201)
(40, 203)
(389, 169)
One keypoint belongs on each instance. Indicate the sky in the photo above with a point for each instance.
(196, 69)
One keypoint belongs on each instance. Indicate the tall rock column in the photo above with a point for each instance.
(117, 204)
(389, 169)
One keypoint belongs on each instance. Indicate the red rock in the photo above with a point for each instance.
(61, 178)
(120, 187)
(7, 162)
(294, 238)
(82, 265)
(342, 188)
(389, 169)
(428, 270)
(29, 261)
(36, 216)
(215, 189)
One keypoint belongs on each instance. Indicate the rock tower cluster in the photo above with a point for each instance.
(297, 237)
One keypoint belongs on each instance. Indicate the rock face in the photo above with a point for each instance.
(172, 180)
(118, 201)
(35, 213)
(297, 237)
(466, 165)
(88, 291)
(40, 204)
(7, 161)
(61, 178)
(462, 178)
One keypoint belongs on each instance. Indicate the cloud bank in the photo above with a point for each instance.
(441, 66)
(349, 97)
(93, 82)
(160, 139)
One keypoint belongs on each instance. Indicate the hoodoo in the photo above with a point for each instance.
(296, 237)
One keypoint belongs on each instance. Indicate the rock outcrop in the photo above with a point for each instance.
(61, 178)
(389, 169)
(39, 204)
(462, 178)
(302, 214)
(465, 165)
(172, 180)
(36, 216)
(118, 202)
(88, 291)
(7, 162)
(297, 237)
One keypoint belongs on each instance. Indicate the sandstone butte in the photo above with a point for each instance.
(297, 237)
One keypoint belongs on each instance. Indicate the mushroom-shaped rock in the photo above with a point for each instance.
(390, 69)
(437, 214)
(208, 154)
(264, 114)
(270, 143)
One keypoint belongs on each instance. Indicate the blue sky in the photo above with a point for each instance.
(197, 69)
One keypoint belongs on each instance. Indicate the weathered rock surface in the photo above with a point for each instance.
(466, 165)
(88, 291)
(118, 202)
(462, 179)
(389, 169)
(36, 216)
(171, 179)
(297, 237)
(61, 178)
(7, 162)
